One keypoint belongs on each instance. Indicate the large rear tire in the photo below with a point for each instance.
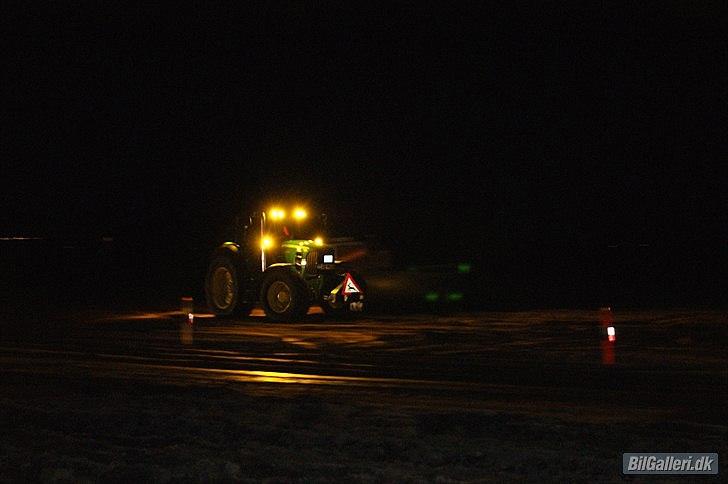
(222, 288)
(284, 297)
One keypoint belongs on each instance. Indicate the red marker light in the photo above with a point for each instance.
(611, 334)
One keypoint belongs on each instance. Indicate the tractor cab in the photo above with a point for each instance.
(296, 225)
(291, 238)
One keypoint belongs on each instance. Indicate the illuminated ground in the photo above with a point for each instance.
(472, 396)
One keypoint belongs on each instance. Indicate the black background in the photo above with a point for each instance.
(575, 153)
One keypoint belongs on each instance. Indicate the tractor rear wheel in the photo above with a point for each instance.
(284, 297)
(222, 288)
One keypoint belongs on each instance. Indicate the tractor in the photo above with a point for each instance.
(278, 258)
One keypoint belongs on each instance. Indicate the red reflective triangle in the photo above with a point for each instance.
(350, 286)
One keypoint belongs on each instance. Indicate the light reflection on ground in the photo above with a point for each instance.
(529, 360)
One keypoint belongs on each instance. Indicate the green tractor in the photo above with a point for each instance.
(279, 260)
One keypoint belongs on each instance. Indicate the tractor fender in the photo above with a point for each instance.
(230, 250)
(283, 266)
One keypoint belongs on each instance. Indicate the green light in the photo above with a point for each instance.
(464, 268)
(432, 296)
(455, 296)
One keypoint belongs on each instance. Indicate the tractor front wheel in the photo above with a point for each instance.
(284, 297)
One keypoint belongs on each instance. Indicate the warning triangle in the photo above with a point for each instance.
(350, 287)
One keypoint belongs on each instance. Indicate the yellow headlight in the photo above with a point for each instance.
(299, 214)
(318, 241)
(266, 242)
(277, 214)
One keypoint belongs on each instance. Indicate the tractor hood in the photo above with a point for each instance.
(308, 255)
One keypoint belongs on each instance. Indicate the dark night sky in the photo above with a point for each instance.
(503, 124)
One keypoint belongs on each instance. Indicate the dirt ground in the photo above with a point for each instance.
(471, 397)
